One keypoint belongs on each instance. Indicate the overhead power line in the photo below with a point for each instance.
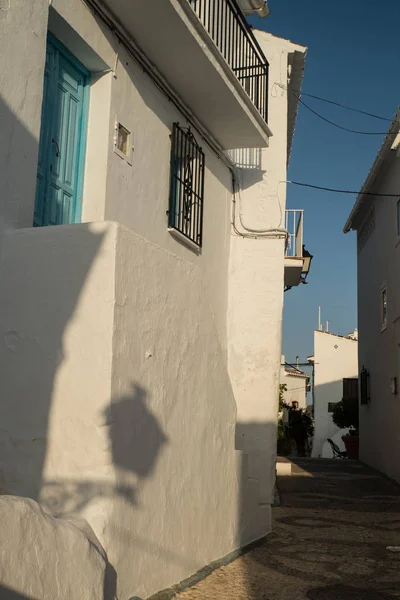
(329, 101)
(337, 191)
(357, 110)
(337, 124)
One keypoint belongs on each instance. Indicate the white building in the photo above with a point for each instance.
(296, 382)
(141, 335)
(335, 361)
(376, 218)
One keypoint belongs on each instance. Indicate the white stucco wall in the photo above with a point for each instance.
(379, 351)
(256, 279)
(112, 327)
(75, 563)
(125, 413)
(165, 342)
(23, 30)
(296, 388)
(57, 332)
(335, 359)
(137, 194)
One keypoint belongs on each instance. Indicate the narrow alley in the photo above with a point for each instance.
(179, 303)
(331, 532)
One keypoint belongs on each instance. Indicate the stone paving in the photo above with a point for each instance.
(329, 542)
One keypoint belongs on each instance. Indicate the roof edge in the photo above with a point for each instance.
(382, 155)
(294, 91)
(345, 337)
(300, 374)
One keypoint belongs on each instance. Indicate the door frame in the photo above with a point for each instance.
(81, 158)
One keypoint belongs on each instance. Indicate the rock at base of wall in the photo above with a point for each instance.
(44, 558)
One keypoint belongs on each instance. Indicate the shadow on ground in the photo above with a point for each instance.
(331, 532)
(339, 592)
(329, 540)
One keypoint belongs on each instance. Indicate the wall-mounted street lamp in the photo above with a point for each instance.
(307, 258)
(250, 7)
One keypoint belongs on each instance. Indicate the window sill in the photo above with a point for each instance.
(184, 240)
(127, 158)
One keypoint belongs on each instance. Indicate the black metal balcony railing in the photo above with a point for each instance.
(229, 30)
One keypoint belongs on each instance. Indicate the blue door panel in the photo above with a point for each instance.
(62, 138)
(53, 211)
(71, 144)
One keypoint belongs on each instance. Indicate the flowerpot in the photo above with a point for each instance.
(352, 443)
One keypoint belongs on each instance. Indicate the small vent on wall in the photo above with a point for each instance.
(123, 142)
(123, 139)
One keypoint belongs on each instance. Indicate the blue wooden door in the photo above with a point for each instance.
(62, 138)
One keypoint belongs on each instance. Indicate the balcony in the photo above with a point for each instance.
(227, 27)
(208, 54)
(297, 258)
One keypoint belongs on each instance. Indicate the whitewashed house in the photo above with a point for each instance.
(335, 371)
(297, 384)
(141, 333)
(376, 218)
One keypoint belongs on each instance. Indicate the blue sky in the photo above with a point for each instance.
(353, 58)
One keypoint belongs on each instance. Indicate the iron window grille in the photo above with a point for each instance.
(186, 196)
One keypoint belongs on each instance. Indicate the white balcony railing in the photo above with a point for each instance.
(294, 227)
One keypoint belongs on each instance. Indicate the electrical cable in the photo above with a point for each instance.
(346, 106)
(357, 110)
(274, 231)
(314, 112)
(297, 389)
(337, 191)
(307, 364)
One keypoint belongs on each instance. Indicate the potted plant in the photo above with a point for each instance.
(284, 441)
(345, 414)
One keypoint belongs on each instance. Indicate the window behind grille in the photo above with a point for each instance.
(186, 195)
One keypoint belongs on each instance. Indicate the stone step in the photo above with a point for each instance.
(283, 466)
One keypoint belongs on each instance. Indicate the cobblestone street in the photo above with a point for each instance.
(329, 541)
